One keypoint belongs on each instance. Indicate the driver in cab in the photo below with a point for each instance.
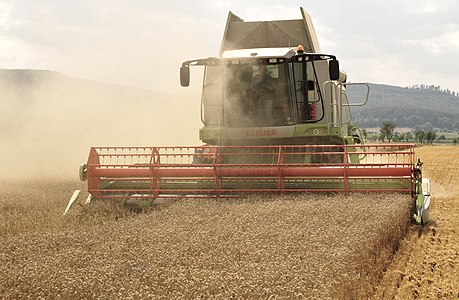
(264, 89)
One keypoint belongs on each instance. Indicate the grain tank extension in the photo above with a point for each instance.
(275, 117)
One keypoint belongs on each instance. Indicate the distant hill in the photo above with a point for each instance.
(407, 107)
(49, 120)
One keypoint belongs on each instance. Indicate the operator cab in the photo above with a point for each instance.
(264, 87)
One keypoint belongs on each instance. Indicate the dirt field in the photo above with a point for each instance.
(314, 246)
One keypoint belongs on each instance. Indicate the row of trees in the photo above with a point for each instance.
(387, 131)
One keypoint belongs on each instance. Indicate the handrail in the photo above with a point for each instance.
(366, 97)
(335, 103)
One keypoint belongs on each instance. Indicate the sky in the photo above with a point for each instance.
(142, 43)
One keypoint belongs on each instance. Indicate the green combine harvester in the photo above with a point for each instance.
(276, 120)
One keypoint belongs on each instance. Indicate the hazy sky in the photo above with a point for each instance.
(143, 42)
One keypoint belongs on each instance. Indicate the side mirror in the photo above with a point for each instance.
(333, 69)
(184, 76)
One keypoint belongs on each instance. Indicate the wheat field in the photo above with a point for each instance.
(315, 246)
(290, 247)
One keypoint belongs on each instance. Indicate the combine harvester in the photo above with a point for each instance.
(275, 121)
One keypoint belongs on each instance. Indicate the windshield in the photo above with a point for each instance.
(253, 95)
(256, 95)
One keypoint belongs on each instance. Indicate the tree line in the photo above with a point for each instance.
(433, 87)
(387, 132)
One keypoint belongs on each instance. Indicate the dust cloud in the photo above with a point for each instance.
(48, 121)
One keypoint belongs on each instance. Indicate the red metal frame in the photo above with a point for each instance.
(165, 165)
